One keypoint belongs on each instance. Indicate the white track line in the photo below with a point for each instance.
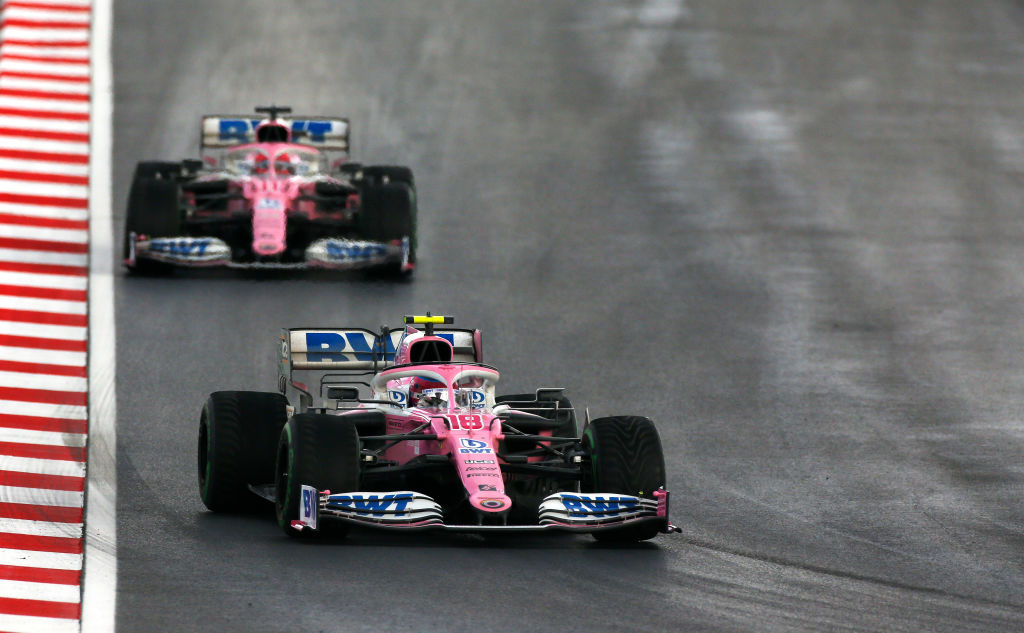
(99, 585)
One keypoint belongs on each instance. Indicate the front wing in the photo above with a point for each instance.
(407, 510)
(333, 252)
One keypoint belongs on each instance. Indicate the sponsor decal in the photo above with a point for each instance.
(310, 500)
(398, 396)
(394, 504)
(479, 461)
(184, 246)
(494, 474)
(474, 446)
(492, 504)
(270, 204)
(467, 422)
(597, 504)
(326, 347)
(343, 347)
(481, 468)
(240, 130)
(347, 251)
(487, 488)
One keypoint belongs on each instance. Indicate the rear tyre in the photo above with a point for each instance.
(625, 458)
(158, 169)
(154, 210)
(314, 450)
(385, 174)
(238, 433)
(388, 214)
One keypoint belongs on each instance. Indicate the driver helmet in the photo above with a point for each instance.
(416, 389)
(260, 162)
(286, 164)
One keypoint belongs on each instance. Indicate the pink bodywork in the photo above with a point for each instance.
(270, 201)
(468, 435)
(272, 191)
(271, 198)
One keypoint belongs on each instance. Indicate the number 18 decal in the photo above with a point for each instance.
(466, 422)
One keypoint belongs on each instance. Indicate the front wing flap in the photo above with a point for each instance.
(332, 252)
(407, 510)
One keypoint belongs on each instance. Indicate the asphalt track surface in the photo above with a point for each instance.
(787, 231)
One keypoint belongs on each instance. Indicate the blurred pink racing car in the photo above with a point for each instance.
(401, 429)
(275, 192)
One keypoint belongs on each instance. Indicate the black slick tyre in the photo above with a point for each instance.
(238, 433)
(314, 450)
(384, 174)
(625, 457)
(154, 210)
(388, 214)
(159, 169)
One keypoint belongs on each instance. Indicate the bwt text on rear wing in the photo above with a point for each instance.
(360, 349)
(226, 130)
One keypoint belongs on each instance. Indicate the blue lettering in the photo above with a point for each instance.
(341, 251)
(374, 504)
(317, 130)
(182, 246)
(475, 450)
(330, 345)
(598, 505)
(234, 130)
(357, 341)
(307, 502)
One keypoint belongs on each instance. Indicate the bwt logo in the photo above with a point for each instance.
(308, 502)
(398, 397)
(240, 129)
(328, 347)
(325, 347)
(599, 505)
(371, 504)
(180, 246)
(473, 446)
(341, 251)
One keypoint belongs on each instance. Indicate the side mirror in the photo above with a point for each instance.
(343, 393)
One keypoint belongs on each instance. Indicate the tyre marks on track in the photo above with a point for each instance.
(44, 227)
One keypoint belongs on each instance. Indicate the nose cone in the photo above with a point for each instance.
(490, 502)
(269, 227)
(266, 247)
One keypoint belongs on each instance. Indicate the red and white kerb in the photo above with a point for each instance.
(44, 185)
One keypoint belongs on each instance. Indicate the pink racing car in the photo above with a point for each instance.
(401, 429)
(271, 193)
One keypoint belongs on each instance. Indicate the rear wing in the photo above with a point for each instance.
(220, 131)
(362, 349)
(342, 355)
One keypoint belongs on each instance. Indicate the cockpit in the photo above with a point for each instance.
(280, 162)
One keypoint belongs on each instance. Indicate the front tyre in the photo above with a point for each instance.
(238, 433)
(314, 450)
(625, 458)
(154, 210)
(387, 215)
